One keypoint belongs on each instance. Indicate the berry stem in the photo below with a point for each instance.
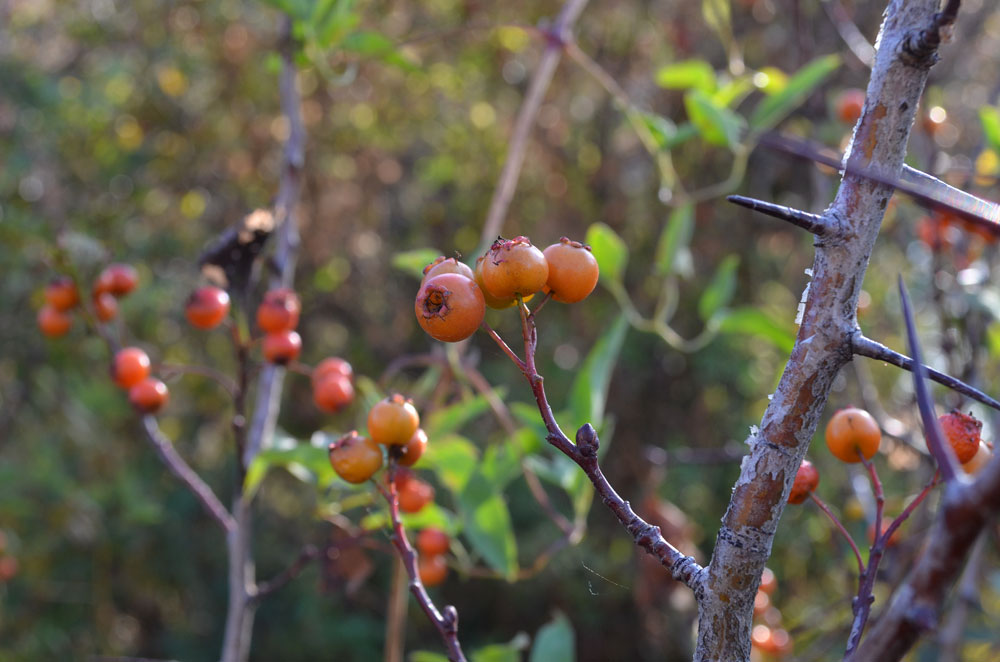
(840, 527)
(876, 488)
(505, 347)
(447, 622)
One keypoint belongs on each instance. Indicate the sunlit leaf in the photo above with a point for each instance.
(451, 418)
(733, 92)
(989, 117)
(413, 261)
(686, 75)
(487, 525)
(589, 392)
(754, 322)
(717, 15)
(610, 251)
(453, 459)
(676, 236)
(720, 291)
(772, 109)
(662, 129)
(717, 124)
(554, 642)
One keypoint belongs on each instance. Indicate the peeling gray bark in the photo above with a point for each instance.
(823, 344)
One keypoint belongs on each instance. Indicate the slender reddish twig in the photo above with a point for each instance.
(446, 620)
(840, 527)
(307, 555)
(204, 371)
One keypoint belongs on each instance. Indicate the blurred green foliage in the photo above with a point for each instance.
(138, 131)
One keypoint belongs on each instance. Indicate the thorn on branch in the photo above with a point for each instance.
(812, 222)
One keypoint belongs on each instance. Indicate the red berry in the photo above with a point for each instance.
(433, 570)
(53, 322)
(806, 480)
(414, 494)
(149, 395)
(355, 458)
(131, 366)
(432, 542)
(282, 347)
(279, 311)
(414, 448)
(393, 421)
(333, 393)
(514, 267)
(117, 279)
(852, 433)
(207, 307)
(105, 306)
(62, 293)
(446, 265)
(573, 271)
(449, 307)
(332, 366)
(850, 103)
(963, 432)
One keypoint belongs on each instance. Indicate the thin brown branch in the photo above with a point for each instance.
(165, 449)
(814, 223)
(307, 555)
(840, 527)
(864, 346)
(446, 620)
(560, 33)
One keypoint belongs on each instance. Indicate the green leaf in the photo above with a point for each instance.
(989, 117)
(414, 261)
(497, 653)
(753, 322)
(501, 464)
(685, 132)
(720, 291)
(686, 75)
(717, 15)
(717, 124)
(450, 419)
(662, 129)
(375, 44)
(307, 462)
(554, 642)
(431, 515)
(772, 109)
(453, 459)
(589, 392)
(426, 656)
(676, 236)
(610, 251)
(487, 526)
(733, 92)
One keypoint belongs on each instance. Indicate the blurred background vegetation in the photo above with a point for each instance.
(138, 131)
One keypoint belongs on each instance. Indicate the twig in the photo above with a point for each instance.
(221, 379)
(165, 449)
(307, 555)
(560, 33)
(920, 47)
(864, 346)
(840, 527)
(849, 32)
(812, 222)
(445, 621)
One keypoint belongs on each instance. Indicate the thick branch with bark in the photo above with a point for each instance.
(822, 347)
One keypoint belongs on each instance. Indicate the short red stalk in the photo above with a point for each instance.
(840, 527)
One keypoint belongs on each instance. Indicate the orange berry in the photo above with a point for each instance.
(131, 366)
(852, 431)
(105, 306)
(496, 303)
(979, 460)
(8, 568)
(413, 449)
(573, 271)
(449, 307)
(149, 395)
(761, 603)
(279, 311)
(806, 480)
(513, 267)
(117, 279)
(414, 494)
(333, 393)
(768, 582)
(446, 265)
(962, 431)
(282, 347)
(393, 421)
(850, 103)
(433, 570)
(355, 458)
(206, 307)
(62, 294)
(331, 366)
(432, 542)
(53, 322)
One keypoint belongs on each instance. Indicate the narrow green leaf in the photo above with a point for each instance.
(989, 117)
(589, 392)
(377, 45)
(717, 15)
(414, 261)
(662, 129)
(720, 291)
(451, 419)
(453, 459)
(772, 109)
(686, 75)
(430, 515)
(554, 642)
(717, 124)
(497, 653)
(426, 656)
(685, 132)
(753, 322)
(676, 236)
(733, 92)
(610, 251)
(487, 525)
(306, 462)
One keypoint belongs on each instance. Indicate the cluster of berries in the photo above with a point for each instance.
(452, 299)
(432, 545)
(767, 635)
(62, 296)
(130, 370)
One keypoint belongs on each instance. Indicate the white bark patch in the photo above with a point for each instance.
(805, 297)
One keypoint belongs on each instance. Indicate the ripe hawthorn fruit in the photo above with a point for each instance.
(852, 431)
(355, 458)
(449, 307)
(573, 271)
